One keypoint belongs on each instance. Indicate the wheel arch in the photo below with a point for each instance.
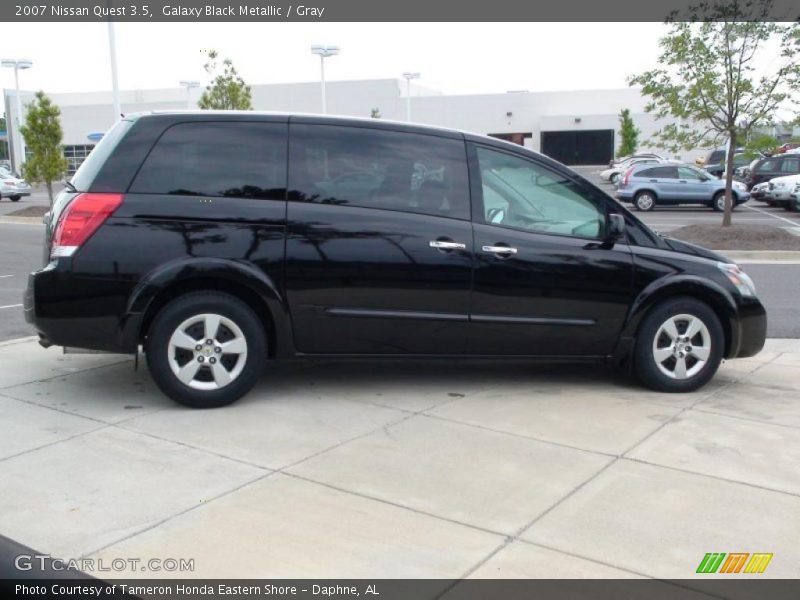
(708, 292)
(242, 280)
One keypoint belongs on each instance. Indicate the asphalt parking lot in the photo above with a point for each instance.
(418, 470)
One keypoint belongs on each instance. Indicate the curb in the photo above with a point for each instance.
(762, 256)
(21, 220)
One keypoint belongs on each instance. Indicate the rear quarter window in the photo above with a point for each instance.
(91, 165)
(217, 159)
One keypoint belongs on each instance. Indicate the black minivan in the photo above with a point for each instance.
(217, 241)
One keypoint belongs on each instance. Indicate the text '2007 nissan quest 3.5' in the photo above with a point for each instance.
(220, 241)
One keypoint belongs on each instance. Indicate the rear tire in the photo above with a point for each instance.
(645, 201)
(679, 346)
(206, 349)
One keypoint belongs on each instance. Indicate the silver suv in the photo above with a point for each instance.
(648, 185)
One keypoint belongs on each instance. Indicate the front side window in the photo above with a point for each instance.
(371, 168)
(522, 194)
(217, 159)
(688, 173)
(766, 166)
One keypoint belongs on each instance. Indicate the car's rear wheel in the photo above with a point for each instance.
(206, 349)
(645, 201)
(679, 346)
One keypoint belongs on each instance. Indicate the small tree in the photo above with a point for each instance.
(707, 80)
(375, 113)
(628, 134)
(227, 90)
(43, 134)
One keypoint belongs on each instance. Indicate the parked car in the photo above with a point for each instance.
(760, 191)
(795, 204)
(773, 166)
(11, 186)
(621, 159)
(615, 173)
(780, 191)
(647, 186)
(199, 237)
(718, 170)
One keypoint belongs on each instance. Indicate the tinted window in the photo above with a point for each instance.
(244, 160)
(688, 173)
(715, 157)
(88, 170)
(767, 165)
(790, 165)
(659, 173)
(358, 166)
(523, 194)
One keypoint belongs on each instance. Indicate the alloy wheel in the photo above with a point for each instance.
(207, 351)
(682, 346)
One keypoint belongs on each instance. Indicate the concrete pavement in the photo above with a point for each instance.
(438, 469)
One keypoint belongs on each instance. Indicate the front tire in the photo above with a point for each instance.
(15, 198)
(206, 349)
(645, 201)
(679, 346)
(615, 178)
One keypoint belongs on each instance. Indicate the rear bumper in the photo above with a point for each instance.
(80, 312)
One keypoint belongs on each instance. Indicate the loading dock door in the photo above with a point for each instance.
(593, 147)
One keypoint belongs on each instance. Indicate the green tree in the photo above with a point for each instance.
(43, 134)
(375, 113)
(628, 134)
(711, 81)
(227, 90)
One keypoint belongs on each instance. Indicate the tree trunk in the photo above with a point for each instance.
(50, 193)
(728, 214)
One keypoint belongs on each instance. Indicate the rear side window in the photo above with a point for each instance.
(659, 173)
(790, 165)
(357, 166)
(218, 159)
(715, 157)
(91, 165)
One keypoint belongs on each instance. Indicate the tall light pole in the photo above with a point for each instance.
(112, 52)
(323, 52)
(189, 85)
(18, 65)
(409, 77)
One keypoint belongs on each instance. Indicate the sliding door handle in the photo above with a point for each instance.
(445, 245)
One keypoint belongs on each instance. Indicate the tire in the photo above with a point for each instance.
(658, 356)
(221, 377)
(615, 179)
(645, 201)
(15, 198)
(718, 202)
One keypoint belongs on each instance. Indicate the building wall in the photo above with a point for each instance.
(512, 112)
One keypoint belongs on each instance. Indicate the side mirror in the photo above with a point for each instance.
(615, 228)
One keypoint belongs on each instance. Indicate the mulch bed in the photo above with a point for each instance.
(29, 211)
(737, 237)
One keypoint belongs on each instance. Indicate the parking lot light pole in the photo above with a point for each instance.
(323, 52)
(18, 65)
(409, 77)
(112, 51)
(189, 85)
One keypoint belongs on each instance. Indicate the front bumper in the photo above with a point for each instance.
(750, 330)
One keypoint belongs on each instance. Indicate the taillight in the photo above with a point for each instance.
(627, 176)
(80, 220)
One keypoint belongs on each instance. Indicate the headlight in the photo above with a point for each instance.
(738, 278)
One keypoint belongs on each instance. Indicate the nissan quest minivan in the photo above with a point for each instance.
(219, 241)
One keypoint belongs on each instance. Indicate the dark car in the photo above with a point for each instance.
(220, 241)
(718, 169)
(774, 166)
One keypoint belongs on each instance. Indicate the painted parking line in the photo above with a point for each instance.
(761, 210)
(5, 276)
(11, 306)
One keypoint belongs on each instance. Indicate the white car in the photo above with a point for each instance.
(615, 173)
(781, 189)
(13, 187)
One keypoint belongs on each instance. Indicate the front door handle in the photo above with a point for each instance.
(445, 245)
(499, 249)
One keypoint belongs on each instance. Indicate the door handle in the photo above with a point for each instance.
(499, 249)
(654, 181)
(443, 245)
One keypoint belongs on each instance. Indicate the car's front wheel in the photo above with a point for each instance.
(15, 198)
(615, 178)
(645, 201)
(206, 349)
(679, 346)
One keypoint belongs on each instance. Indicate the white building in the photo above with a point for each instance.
(579, 127)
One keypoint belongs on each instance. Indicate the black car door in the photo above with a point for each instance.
(545, 283)
(379, 244)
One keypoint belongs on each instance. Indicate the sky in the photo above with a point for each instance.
(455, 58)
